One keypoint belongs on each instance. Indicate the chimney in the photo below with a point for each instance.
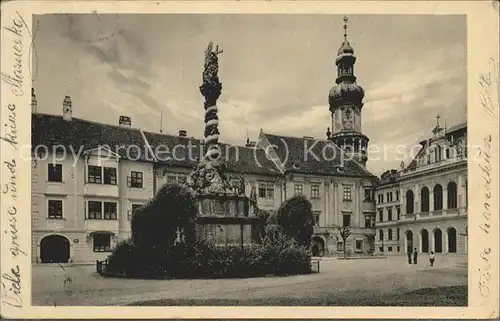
(67, 108)
(125, 121)
(182, 133)
(34, 103)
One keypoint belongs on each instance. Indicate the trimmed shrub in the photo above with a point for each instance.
(172, 210)
(204, 260)
(296, 217)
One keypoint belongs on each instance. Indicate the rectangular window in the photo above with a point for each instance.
(102, 242)
(398, 249)
(359, 245)
(262, 190)
(388, 199)
(340, 246)
(397, 234)
(131, 213)
(110, 175)
(398, 212)
(297, 189)
(316, 215)
(389, 249)
(94, 174)
(447, 153)
(369, 221)
(136, 179)
(397, 195)
(389, 214)
(347, 194)
(346, 220)
(266, 190)
(171, 179)
(315, 191)
(110, 211)
(55, 210)
(368, 194)
(94, 210)
(381, 249)
(55, 173)
(270, 191)
(381, 215)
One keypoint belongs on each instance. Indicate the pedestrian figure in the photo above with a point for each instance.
(432, 258)
(415, 256)
(409, 256)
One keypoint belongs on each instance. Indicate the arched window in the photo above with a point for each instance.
(389, 234)
(381, 235)
(409, 202)
(437, 155)
(452, 195)
(438, 197)
(425, 240)
(424, 199)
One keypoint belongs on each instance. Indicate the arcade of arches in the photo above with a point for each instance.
(424, 195)
(435, 240)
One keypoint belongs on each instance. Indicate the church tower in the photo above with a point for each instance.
(346, 101)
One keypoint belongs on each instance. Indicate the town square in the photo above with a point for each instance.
(215, 169)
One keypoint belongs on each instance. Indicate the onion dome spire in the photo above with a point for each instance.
(346, 89)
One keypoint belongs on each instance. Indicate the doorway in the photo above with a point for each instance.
(54, 249)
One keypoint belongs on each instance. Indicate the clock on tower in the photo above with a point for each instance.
(348, 119)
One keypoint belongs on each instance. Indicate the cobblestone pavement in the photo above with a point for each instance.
(374, 276)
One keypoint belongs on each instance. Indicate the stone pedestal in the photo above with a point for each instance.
(226, 220)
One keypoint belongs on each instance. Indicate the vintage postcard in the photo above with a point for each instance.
(256, 159)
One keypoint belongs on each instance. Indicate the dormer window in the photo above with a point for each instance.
(55, 173)
(94, 174)
(109, 175)
(101, 175)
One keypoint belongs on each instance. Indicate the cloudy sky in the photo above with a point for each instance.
(276, 71)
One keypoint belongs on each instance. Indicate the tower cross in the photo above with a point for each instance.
(345, 27)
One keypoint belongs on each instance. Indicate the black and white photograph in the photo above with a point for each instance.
(245, 160)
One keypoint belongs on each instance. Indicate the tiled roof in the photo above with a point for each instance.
(293, 151)
(389, 176)
(52, 130)
(237, 158)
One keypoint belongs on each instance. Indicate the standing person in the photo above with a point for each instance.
(415, 256)
(432, 258)
(409, 256)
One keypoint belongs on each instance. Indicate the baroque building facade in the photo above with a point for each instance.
(423, 206)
